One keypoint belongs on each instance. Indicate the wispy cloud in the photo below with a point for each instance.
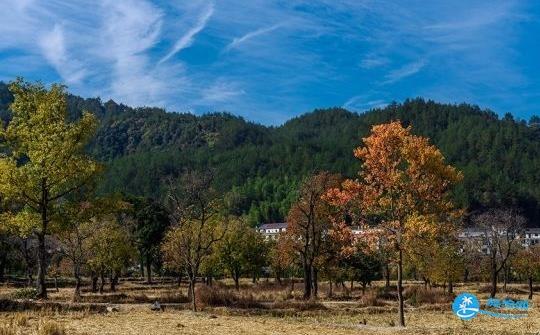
(364, 102)
(268, 60)
(221, 91)
(187, 39)
(54, 50)
(404, 71)
(373, 61)
(236, 42)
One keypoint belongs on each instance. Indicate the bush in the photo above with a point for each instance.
(386, 293)
(25, 293)
(50, 328)
(417, 295)
(220, 297)
(370, 299)
(172, 297)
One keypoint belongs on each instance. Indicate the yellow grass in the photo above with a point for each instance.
(339, 317)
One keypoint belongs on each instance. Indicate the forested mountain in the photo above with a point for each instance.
(259, 167)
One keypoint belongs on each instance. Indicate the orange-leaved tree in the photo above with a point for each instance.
(402, 176)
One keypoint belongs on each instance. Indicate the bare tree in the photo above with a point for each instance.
(309, 220)
(199, 222)
(501, 232)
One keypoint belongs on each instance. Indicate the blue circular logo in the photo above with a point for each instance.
(466, 306)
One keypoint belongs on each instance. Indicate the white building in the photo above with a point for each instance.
(272, 230)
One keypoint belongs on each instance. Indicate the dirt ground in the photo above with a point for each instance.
(338, 317)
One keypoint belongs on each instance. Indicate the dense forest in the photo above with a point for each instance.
(259, 168)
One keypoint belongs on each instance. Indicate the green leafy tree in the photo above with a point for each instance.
(233, 250)
(44, 160)
(111, 249)
(151, 223)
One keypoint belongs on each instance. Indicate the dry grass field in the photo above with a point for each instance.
(261, 309)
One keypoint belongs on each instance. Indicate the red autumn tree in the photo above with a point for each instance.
(402, 177)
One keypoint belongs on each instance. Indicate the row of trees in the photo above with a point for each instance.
(402, 199)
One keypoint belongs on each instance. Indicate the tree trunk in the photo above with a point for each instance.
(29, 277)
(102, 282)
(236, 278)
(192, 282)
(42, 264)
(179, 280)
(56, 283)
(387, 275)
(114, 281)
(530, 287)
(352, 285)
(364, 288)
(148, 268)
(189, 294)
(330, 289)
(2, 270)
(505, 279)
(400, 290)
(141, 261)
(307, 281)
(493, 281)
(94, 282)
(278, 278)
(77, 291)
(314, 281)
(450, 287)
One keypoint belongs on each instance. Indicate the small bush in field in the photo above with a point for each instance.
(172, 297)
(220, 297)
(370, 299)
(50, 328)
(387, 293)
(25, 293)
(417, 295)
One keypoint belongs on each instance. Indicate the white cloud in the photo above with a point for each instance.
(53, 46)
(404, 72)
(187, 39)
(364, 102)
(239, 40)
(373, 61)
(221, 91)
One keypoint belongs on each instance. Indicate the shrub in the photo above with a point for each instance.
(417, 295)
(25, 293)
(220, 297)
(386, 293)
(50, 328)
(370, 299)
(172, 297)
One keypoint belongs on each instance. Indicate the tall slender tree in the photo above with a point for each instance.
(44, 159)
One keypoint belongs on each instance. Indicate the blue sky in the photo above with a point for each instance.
(271, 60)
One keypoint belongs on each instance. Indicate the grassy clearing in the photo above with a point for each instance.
(251, 312)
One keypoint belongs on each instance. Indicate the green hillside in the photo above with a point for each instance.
(259, 167)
